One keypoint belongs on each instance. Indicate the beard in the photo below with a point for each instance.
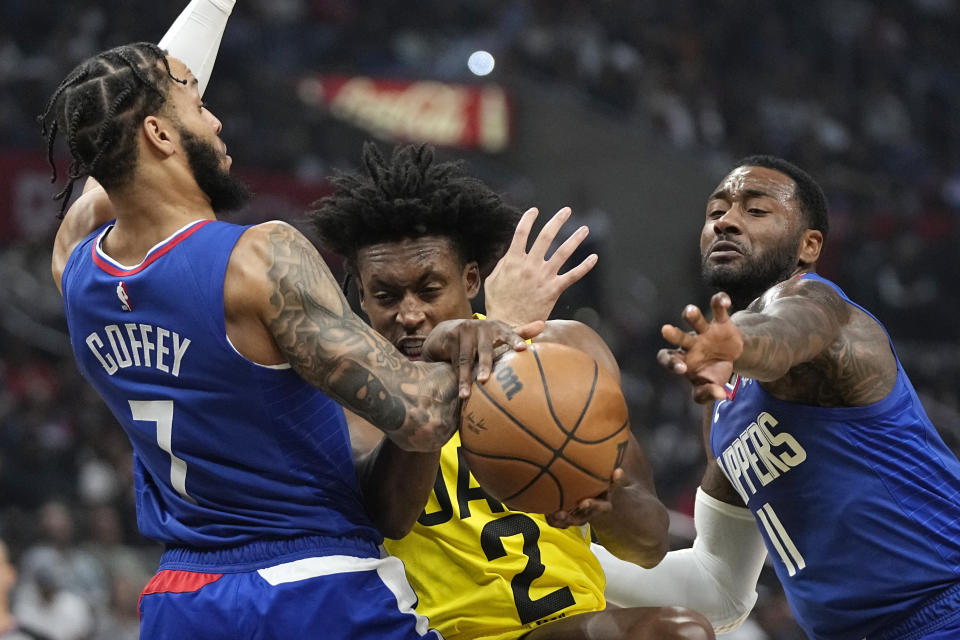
(746, 280)
(226, 192)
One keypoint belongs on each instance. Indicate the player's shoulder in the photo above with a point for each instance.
(263, 232)
(580, 336)
(557, 330)
(258, 242)
(247, 283)
(813, 290)
(265, 240)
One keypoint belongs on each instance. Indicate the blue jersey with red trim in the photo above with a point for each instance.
(226, 451)
(859, 506)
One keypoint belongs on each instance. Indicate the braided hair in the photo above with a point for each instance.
(412, 195)
(99, 107)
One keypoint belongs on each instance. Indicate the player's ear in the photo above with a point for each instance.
(471, 279)
(811, 242)
(360, 293)
(158, 135)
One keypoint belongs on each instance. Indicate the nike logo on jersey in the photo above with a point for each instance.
(124, 297)
(758, 456)
(138, 345)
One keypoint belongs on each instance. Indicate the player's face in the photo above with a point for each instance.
(408, 287)
(206, 153)
(751, 237)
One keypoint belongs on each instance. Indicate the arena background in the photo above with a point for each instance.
(630, 111)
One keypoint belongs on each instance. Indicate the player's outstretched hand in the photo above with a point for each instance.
(706, 354)
(524, 285)
(588, 508)
(465, 342)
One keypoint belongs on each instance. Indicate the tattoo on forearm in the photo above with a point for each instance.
(334, 350)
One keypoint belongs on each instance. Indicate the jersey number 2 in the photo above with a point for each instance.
(161, 413)
(492, 544)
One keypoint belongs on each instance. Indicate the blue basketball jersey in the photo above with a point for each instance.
(859, 506)
(226, 451)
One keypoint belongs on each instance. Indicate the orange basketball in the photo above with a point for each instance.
(546, 430)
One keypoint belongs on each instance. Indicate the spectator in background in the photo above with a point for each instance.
(10, 627)
(77, 571)
(45, 605)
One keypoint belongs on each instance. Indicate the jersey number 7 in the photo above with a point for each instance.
(161, 413)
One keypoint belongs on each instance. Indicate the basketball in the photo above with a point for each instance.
(546, 429)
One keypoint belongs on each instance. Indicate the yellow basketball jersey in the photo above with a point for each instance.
(481, 570)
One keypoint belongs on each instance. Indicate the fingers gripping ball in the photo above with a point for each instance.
(546, 430)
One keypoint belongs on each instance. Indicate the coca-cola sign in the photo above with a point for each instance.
(450, 115)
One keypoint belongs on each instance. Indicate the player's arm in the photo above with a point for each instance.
(797, 321)
(793, 323)
(278, 276)
(90, 211)
(717, 576)
(395, 483)
(193, 38)
(629, 520)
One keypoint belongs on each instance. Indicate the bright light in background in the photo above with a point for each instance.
(480, 63)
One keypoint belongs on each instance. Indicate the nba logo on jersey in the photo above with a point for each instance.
(124, 297)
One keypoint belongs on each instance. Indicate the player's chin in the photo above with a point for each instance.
(719, 271)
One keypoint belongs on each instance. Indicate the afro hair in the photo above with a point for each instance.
(412, 195)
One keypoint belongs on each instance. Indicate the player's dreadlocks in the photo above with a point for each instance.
(411, 196)
(99, 108)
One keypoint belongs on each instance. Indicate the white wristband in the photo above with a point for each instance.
(195, 36)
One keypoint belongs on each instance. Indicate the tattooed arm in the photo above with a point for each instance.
(283, 304)
(792, 323)
(802, 340)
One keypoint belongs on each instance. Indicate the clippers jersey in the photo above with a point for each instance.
(481, 570)
(226, 451)
(859, 506)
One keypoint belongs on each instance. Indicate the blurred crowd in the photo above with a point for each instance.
(858, 92)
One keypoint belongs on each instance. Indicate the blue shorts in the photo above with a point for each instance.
(330, 596)
(936, 619)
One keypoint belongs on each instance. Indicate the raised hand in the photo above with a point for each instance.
(524, 285)
(465, 342)
(706, 354)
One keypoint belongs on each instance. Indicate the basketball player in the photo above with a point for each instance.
(209, 342)
(818, 430)
(417, 235)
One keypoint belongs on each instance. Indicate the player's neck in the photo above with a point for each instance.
(148, 214)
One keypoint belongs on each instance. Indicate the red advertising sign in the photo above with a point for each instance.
(450, 115)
